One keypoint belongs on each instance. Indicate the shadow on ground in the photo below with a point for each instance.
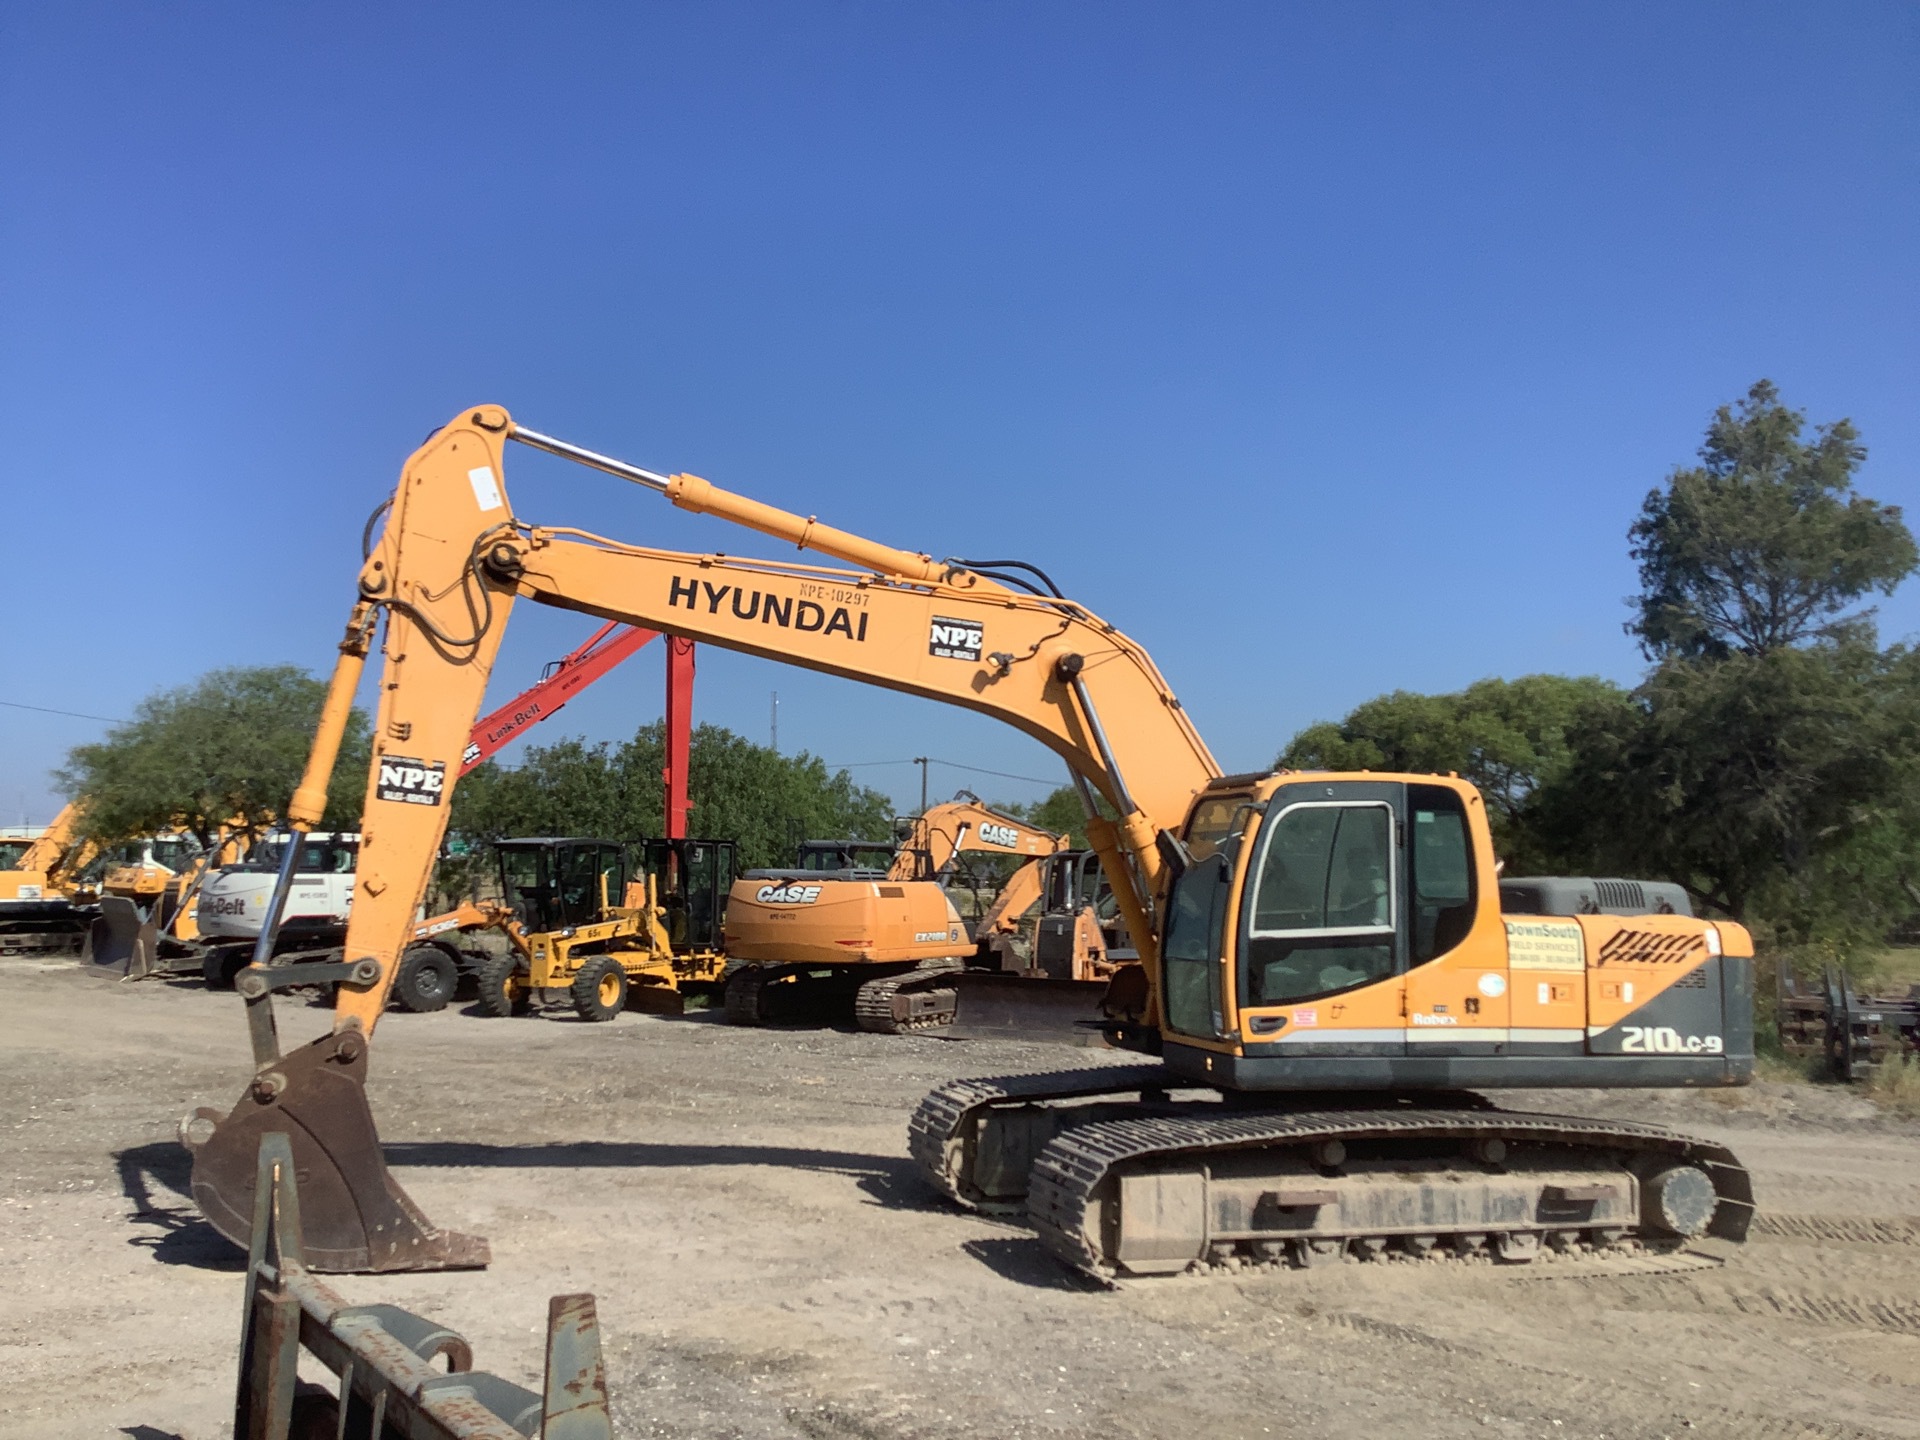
(891, 1180)
(1024, 1260)
(157, 1178)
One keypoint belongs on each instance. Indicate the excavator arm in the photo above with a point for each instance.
(965, 824)
(60, 854)
(452, 562)
(52, 843)
(1019, 895)
(573, 672)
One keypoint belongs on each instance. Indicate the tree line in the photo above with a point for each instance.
(229, 749)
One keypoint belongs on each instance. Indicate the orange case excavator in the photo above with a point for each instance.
(882, 947)
(1327, 976)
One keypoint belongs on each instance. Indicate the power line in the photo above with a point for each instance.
(77, 715)
(950, 764)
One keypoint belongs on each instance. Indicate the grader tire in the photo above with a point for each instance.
(600, 989)
(426, 980)
(498, 995)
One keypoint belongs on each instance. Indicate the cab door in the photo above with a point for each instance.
(1323, 937)
(1457, 994)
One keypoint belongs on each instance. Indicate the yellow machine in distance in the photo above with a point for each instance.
(147, 924)
(44, 899)
(1326, 968)
(656, 944)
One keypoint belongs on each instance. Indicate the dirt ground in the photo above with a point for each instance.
(767, 1263)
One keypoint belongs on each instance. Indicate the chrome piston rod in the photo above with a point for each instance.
(590, 458)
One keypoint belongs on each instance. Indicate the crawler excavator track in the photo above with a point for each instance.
(912, 1001)
(1120, 1178)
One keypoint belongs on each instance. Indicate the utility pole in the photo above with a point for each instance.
(921, 761)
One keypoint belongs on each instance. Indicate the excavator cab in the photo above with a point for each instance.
(861, 859)
(1341, 932)
(558, 884)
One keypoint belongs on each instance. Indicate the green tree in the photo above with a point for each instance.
(231, 745)
(1763, 545)
(1778, 787)
(1509, 737)
(738, 790)
(1768, 761)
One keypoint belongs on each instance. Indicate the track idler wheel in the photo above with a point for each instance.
(356, 1217)
(1677, 1200)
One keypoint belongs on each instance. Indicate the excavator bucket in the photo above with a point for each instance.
(358, 1220)
(1014, 1007)
(121, 939)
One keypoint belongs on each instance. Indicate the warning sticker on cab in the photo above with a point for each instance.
(411, 782)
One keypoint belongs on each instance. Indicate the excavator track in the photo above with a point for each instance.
(50, 943)
(744, 997)
(1159, 1186)
(945, 1134)
(908, 1002)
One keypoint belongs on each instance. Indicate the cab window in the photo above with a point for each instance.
(1323, 913)
(1441, 862)
(1211, 823)
(1190, 956)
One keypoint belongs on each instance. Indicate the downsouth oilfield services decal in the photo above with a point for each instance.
(411, 782)
(1544, 945)
(956, 639)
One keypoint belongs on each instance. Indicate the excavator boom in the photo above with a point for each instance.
(604, 650)
(447, 571)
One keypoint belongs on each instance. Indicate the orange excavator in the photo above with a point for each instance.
(44, 906)
(884, 949)
(1330, 972)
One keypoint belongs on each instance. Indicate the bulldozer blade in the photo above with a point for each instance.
(357, 1218)
(121, 939)
(1013, 1007)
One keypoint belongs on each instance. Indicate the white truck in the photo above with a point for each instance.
(233, 902)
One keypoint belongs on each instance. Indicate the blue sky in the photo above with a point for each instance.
(1325, 349)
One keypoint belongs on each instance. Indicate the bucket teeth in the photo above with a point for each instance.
(357, 1218)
